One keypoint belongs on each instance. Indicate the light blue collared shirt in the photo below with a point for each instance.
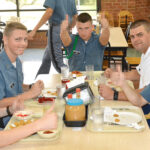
(90, 53)
(60, 9)
(11, 78)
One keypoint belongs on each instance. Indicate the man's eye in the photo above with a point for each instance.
(17, 39)
(25, 39)
(140, 35)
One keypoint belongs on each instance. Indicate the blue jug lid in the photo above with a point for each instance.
(75, 102)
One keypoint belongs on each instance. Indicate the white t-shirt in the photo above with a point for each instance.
(14, 63)
(144, 69)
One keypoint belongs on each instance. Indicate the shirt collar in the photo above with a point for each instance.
(8, 64)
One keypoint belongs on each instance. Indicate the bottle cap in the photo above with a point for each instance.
(69, 96)
(75, 102)
(78, 89)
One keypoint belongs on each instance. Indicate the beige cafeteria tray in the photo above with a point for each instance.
(120, 128)
(35, 137)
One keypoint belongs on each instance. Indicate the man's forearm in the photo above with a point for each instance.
(132, 75)
(48, 13)
(133, 96)
(3, 112)
(65, 37)
(104, 38)
(7, 101)
(10, 136)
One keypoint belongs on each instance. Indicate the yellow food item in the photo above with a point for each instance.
(78, 73)
(52, 93)
(117, 120)
(116, 115)
(147, 116)
(20, 123)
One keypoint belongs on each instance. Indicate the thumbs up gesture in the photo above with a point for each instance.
(103, 21)
(65, 23)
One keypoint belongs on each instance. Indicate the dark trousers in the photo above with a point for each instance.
(146, 110)
(53, 51)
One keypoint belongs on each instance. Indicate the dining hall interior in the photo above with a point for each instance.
(117, 124)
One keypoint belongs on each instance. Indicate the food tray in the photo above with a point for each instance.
(35, 137)
(112, 127)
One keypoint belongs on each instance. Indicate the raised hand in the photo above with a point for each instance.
(108, 72)
(65, 23)
(103, 21)
(118, 77)
(49, 120)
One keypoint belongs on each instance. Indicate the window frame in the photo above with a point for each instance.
(18, 10)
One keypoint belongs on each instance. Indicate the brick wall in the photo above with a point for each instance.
(139, 8)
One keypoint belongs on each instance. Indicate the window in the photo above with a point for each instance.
(31, 10)
(87, 6)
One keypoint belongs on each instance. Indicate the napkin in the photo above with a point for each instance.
(75, 82)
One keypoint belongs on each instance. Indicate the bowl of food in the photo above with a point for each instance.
(23, 115)
(47, 133)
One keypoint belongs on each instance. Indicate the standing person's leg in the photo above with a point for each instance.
(46, 61)
(56, 53)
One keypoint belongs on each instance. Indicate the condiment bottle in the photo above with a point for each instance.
(75, 110)
(69, 96)
(65, 75)
(78, 92)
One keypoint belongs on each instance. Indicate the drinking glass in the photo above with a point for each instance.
(65, 74)
(89, 72)
(96, 116)
(60, 91)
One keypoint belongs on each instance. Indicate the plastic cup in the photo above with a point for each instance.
(89, 72)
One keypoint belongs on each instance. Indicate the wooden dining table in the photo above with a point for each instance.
(117, 42)
(83, 139)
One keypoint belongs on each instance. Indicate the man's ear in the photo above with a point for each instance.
(93, 27)
(5, 39)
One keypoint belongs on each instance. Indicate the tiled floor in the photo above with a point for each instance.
(32, 58)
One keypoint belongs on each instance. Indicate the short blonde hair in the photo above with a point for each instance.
(10, 27)
(144, 23)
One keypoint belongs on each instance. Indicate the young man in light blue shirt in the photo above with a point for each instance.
(90, 46)
(11, 75)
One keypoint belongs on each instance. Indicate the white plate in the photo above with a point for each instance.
(49, 93)
(123, 118)
(23, 115)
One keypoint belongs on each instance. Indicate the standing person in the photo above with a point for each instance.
(11, 76)
(56, 11)
(140, 38)
(90, 46)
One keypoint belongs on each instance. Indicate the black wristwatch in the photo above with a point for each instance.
(115, 94)
(8, 111)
